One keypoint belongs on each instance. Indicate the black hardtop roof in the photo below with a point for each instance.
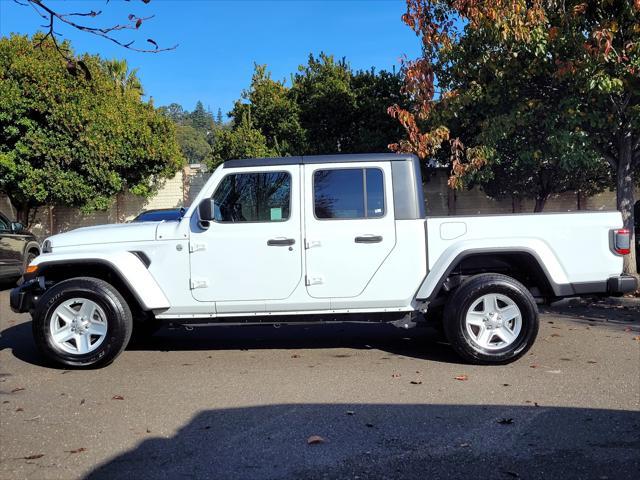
(313, 159)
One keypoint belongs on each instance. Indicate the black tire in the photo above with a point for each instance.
(462, 300)
(119, 321)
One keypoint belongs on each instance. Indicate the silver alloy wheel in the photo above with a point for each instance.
(493, 321)
(78, 326)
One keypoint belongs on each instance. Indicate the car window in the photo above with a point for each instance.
(5, 224)
(253, 197)
(348, 193)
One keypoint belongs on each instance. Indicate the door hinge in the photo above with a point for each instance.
(197, 247)
(199, 283)
(313, 280)
(312, 243)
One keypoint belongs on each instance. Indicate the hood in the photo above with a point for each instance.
(115, 233)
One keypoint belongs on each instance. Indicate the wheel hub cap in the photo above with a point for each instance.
(78, 326)
(493, 321)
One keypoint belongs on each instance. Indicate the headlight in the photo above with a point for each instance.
(46, 246)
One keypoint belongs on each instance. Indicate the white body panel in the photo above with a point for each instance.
(130, 268)
(337, 266)
(572, 247)
(235, 264)
(227, 269)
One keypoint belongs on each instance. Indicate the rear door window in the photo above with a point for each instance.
(348, 193)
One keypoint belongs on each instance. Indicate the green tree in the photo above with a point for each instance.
(193, 144)
(243, 141)
(126, 80)
(202, 119)
(175, 112)
(528, 132)
(586, 55)
(273, 112)
(372, 129)
(323, 92)
(70, 140)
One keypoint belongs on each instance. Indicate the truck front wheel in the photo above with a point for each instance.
(491, 319)
(82, 322)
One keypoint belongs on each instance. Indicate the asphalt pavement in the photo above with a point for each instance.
(329, 402)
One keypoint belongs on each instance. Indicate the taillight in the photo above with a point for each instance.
(621, 241)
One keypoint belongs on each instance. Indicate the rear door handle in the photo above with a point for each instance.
(369, 239)
(280, 242)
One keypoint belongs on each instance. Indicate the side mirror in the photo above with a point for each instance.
(17, 227)
(206, 210)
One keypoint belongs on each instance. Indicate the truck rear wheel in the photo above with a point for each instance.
(491, 319)
(82, 322)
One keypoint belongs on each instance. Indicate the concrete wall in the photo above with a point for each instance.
(185, 186)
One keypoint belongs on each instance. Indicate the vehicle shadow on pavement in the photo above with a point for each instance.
(421, 343)
(370, 441)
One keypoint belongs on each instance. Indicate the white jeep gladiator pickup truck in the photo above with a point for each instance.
(313, 239)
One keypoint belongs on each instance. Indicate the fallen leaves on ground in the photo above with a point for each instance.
(533, 366)
(77, 450)
(415, 382)
(19, 409)
(117, 397)
(18, 389)
(396, 375)
(462, 377)
(506, 421)
(34, 457)
(315, 440)
(295, 355)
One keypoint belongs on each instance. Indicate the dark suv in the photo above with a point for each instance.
(17, 248)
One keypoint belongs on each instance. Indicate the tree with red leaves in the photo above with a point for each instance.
(583, 60)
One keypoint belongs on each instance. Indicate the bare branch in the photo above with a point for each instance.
(52, 16)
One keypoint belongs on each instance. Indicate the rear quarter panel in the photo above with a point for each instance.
(573, 247)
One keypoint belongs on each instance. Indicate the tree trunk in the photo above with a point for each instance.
(625, 197)
(22, 213)
(541, 200)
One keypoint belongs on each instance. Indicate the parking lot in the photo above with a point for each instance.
(244, 402)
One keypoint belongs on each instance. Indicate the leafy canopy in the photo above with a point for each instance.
(328, 108)
(66, 139)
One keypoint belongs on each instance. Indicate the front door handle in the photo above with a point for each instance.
(369, 239)
(280, 242)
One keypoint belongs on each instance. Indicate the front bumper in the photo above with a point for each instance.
(617, 286)
(24, 297)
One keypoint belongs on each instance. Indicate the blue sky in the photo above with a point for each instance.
(219, 41)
